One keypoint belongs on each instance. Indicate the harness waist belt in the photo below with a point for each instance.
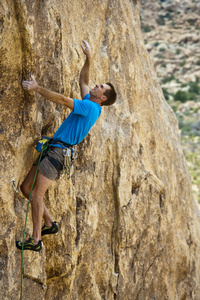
(60, 143)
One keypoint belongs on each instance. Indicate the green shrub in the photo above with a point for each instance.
(181, 96)
(146, 28)
(160, 21)
(173, 24)
(156, 44)
(192, 96)
(182, 63)
(174, 107)
(178, 51)
(196, 110)
(168, 15)
(183, 84)
(180, 121)
(168, 79)
(162, 49)
(186, 130)
(165, 93)
(198, 62)
(191, 21)
(194, 87)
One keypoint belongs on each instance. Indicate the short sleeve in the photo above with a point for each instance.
(87, 96)
(81, 107)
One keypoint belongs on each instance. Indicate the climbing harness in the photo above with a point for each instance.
(43, 147)
(69, 154)
(40, 144)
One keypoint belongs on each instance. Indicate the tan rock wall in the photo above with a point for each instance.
(128, 227)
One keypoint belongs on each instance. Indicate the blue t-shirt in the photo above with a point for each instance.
(77, 125)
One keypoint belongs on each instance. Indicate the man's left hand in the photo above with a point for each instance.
(30, 85)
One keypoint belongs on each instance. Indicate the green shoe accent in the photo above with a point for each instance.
(29, 245)
(49, 230)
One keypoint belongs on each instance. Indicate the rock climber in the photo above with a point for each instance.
(71, 132)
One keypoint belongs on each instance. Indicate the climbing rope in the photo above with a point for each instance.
(29, 200)
(67, 167)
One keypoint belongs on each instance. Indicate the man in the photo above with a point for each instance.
(71, 132)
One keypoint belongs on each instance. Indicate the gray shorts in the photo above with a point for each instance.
(46, 168)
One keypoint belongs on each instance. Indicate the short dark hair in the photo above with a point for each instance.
(110, 94)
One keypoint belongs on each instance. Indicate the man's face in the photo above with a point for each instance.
(99, 90)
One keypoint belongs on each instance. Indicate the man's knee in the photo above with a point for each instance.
(25, 190)
(37, 195)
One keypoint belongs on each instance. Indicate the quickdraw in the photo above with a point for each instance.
(17, 190)
(69, 155)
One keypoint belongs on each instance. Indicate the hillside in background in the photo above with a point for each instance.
(172, 36)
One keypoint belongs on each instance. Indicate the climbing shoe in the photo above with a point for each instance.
(49, 230)
(29, 245)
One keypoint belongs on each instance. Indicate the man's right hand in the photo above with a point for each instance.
(30, 85)
(86, 49)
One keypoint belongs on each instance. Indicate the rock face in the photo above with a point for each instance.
(128, 225)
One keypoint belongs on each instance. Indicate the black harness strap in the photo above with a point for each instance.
(55, 163)
(60, 143)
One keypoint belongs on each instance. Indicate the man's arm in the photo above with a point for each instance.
(84, 75)
(51, 96)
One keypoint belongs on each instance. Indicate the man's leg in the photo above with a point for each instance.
(41, 185)
(38, 208)
(26, 188)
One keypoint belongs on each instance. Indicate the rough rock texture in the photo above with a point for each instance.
(128, 225)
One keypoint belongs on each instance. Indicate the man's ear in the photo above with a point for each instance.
(104, 98)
